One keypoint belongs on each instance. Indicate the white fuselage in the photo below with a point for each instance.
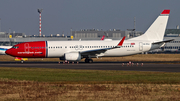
(59, 48)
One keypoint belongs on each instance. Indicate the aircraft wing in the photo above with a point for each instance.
(102, 50)
(93, 52)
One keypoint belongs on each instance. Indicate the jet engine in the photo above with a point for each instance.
(72, 56)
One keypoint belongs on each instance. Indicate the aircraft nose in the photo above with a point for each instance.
(8, 51)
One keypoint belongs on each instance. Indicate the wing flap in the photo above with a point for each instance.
(94, 52)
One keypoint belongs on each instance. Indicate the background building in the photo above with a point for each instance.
(172, 33)
(114, 34)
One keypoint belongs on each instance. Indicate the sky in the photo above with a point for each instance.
(60, 16)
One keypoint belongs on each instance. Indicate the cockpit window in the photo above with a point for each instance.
(16, 47)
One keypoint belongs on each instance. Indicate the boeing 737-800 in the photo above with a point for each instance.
(76, 50)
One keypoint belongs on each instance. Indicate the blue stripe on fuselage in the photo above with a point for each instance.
(3, 49)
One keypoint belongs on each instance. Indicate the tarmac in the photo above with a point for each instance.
(136, 66)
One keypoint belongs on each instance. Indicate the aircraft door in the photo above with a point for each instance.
(26, 46)
(140, 46)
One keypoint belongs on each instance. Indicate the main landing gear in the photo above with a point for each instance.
(87, 60)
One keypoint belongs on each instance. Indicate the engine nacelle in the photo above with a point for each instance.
(72, 56)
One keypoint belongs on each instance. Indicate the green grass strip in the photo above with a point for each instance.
(88, 76)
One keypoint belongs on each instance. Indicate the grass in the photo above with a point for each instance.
(34, 84)
(88, 76)
(13, 90)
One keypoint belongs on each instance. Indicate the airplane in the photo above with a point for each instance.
(77, 50)
(3, 49)
(103, 37)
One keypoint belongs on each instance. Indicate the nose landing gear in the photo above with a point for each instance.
(22, 61)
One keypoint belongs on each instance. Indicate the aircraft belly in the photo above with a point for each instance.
(55, 53)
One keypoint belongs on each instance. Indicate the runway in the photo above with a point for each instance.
(98, 66)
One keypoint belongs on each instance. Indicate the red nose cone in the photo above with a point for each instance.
(8, 51)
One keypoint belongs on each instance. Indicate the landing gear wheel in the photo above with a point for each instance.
(88, 60)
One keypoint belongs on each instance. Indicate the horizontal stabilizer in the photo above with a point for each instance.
(163, 41)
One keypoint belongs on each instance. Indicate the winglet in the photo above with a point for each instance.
(166, 12)
(121, 42)
(103, 37)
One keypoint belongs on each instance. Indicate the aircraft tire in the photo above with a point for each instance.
(88, 60)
